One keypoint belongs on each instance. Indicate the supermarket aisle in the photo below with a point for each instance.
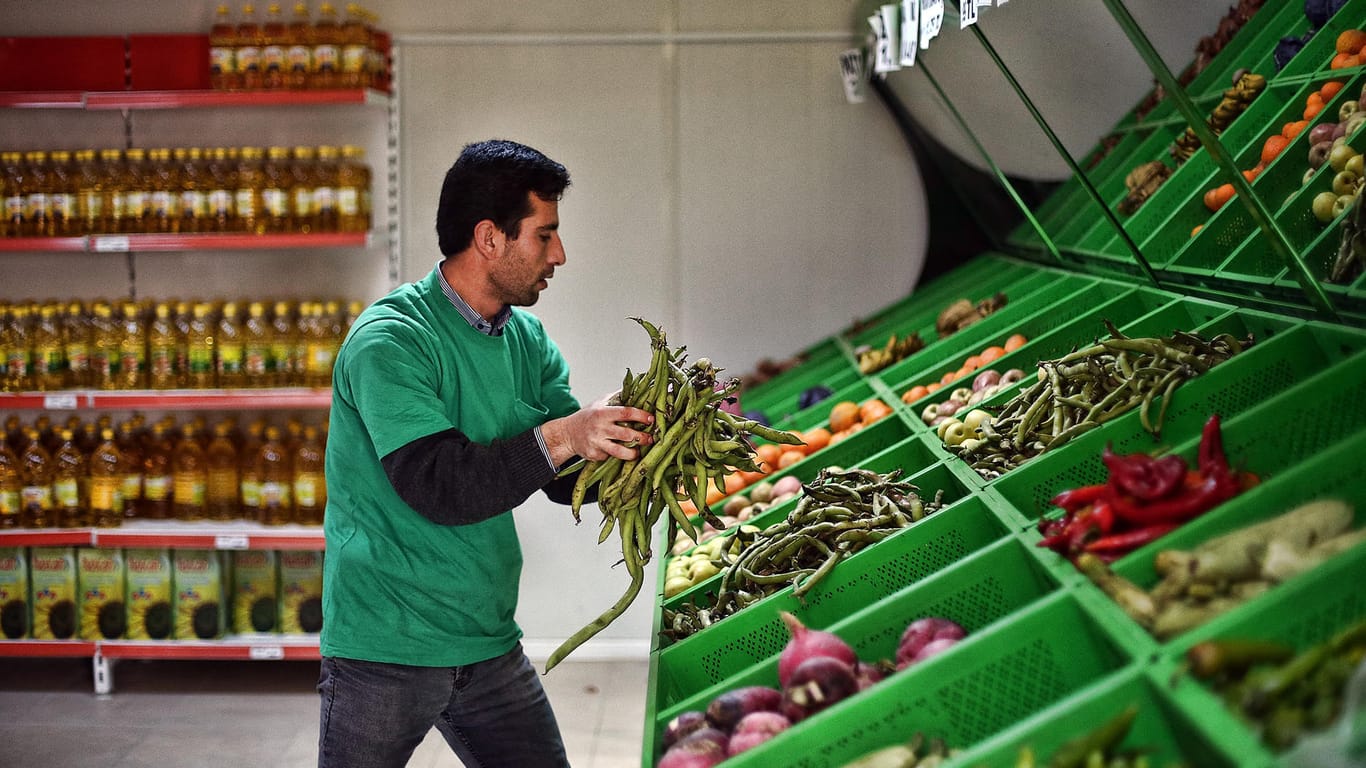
(237, 714)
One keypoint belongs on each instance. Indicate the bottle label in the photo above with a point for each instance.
(37, 496)
(353, 58)
(221, 60)
(14, 207)
(194, 204)
(201, 360)
(300, 58)
(156, 488)
(132, 360)
(275, 201)
(77, 357)
(325, 58)
(132, 485)
(222, 486)
(62, 205)
(319, 360)
(274, 494)
(251, 492)
(161, 363)
(47, 359)
(306, 489)
(220, 203)
(91, 205)
(255, 360)
(68, 492)
(161, 204)
(273, 58)
(106, 494)
(246, 203)
(324, 199)
(303, 201)
(17, 363)
(189, 489)
(36, 206)
(348, 201)
(248, 59)
(134, 204)
(9, 503)
(229, 358)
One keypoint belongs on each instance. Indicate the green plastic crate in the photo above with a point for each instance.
(1162, 727)
(979, 591)
(777, 398)
(754, 633)
(1233, 387)
(992, 679)
(1317, 54)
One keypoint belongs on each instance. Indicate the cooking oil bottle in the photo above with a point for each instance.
(247, 48)
(326, 37)
(156, 475)
(48, 362)
(273, 41)
(325, 209)
(18, 343)
(247, 199)
(222, 56)
(180, 317)
(104, 347)
(353, 309)
(355, 49)
(61, 199)
(256, 347)
(274, 473)
(321, 347)
(162, 372)
(106, 482)
(303, 178)
(221, 185)
(220, 498)
(11, 489)
(136, 191)
(353, 191)
(12, 184)
(111, 169)
(35, 474)
(299, 54)
(249, 478)
(284, 346)
(37, 215)
(276, 190)
(75, 327)
(310, 492)
(131, 469)
(164, 184)
(189, 475)
(229, 346)
(132, 347)
(193, 204)
(88, 179)
(200, 373)
(68, 469)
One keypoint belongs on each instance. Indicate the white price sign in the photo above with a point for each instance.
(910, 31)
(967, 13)
(852, 75)
(111, 244)
(266, 653)
(232, 541)
(931, 20)
(64, 402)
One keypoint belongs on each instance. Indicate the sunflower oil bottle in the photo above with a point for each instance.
(17, 342)
(11, 489)
(200, 373)
(256, 347)
(274, 38)
(180, 318)
(162, 370)
(131, 468)
(222, 56)
(35, 475)
(310, 491)
(156, 475)
(220, 187)
(61, 198)
(355, 49)
(104, 346)
(247, 49)
(326, 38)
(37, 215)
(353, 191)
(299, 51)
(189, 475)
(284, 344)
(88, 180)
(229, 345)
(223, 480)
(164, 196)
(247, 206)
(249, 478)
(68, 471)
(276, 191)
(12, 185)
(132, 347)
(276, 478)
(48, 360)
(135, 191)
(320, 338)
(304, 182)
(192, 207)
(106, 482)
(325, 210)
(75, 328)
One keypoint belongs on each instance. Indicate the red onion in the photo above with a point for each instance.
(920, 633)
(694, 753)
(809, 643)
(729, 708)
(934, 648)
(816, 684)
(682, 725)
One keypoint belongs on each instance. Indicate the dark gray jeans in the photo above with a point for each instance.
(493, 713)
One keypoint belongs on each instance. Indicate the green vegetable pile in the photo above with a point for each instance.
(693, 440)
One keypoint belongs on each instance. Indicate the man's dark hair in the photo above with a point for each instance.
(491, 180)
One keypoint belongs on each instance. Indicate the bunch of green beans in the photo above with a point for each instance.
(1082, 390)
(838, 514)
(694, 441)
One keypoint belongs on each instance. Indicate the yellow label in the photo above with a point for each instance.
(156, 488)
(348, 201)
(221, 60)
(106, 493)
(189, 489)
(353, 58)
(37, 495)
(9, 503)
(230, 357)
(132, 485)
(306, 489)
(68, 492)
(275, 201)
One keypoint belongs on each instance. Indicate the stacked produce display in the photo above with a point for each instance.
(1125, 521)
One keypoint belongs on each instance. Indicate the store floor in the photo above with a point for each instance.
(236, 714)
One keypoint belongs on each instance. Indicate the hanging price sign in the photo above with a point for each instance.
(852, 75)
(931, 19)
(910, 31)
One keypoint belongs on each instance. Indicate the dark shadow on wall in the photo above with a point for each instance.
(969, 211)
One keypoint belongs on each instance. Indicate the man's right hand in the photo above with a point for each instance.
(596, 432)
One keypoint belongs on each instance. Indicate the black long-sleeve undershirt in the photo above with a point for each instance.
(451, 480)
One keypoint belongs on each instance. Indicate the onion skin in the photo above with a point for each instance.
(748, 740)
(696, 752)
(726, 710)
(818, 683)
(806, 644)
(682, 725)
(921, 633)
(934, 647)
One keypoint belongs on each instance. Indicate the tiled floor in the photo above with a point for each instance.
(236, 714)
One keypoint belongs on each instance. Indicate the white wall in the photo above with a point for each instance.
(722, 186)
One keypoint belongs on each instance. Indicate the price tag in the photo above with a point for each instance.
(910, 31)
(230, 542)
(63, 402)
(967, 13)
(931, 20)
(266, 653)
(888, 28)
(851, 73)
(111, 244)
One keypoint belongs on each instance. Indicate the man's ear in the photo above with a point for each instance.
(488, 239)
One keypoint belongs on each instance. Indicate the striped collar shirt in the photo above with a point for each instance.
(476, 320)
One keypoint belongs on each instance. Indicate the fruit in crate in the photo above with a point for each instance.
(874, 359)
(963, 313)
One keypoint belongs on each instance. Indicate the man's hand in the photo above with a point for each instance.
(596, 432)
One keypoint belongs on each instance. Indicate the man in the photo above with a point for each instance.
(450, 407)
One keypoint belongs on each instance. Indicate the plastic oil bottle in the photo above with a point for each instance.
(222, 56)
(310, 491)
(299, 53)
(247, 198)
(11, 489)
(156, 475)
(303, 212)
(132, 347)
(189, 475)
(88, 179)
(221, 185)
(111, 169)
(180, 317)
(247, 49)
(249, 478)
(68, 471)
(284, 346)
(48, 360)
(200, 373)
(326, 37)
(136, 191)
(274, 473)
(106, 482)
(12, 184)
(353, 191)
(75, 327)
(273, 41)
(325, 209)
(61, 199)
(17, 343)
(37, 215)
(256, 347)
(230, 348)
(35, 474)
(193, 205)
(276, 190)
(104, 347)
(355, 49)
(131, 468)
(161, 349)
(163, 200)
(220, 499)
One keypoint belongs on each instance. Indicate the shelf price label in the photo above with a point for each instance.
(266, 653)
(111, 244)
(60, 402)
(231, 541)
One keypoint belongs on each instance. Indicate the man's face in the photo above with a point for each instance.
(527, 263)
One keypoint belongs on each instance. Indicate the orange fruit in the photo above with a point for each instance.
(1343, 61)
(1330, 89)
(844, 414)
(933, 387)
(873, 410)
(1197, 229)
(766, 455)
(714, 494)
(732, 483)
(790, 456)
(948, 377)
(992, 354)
(1350, 41)
(1291, 130)
(815, 438)
(914, 393)
(1015, 341)
(1273, 147)
(749, 478)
